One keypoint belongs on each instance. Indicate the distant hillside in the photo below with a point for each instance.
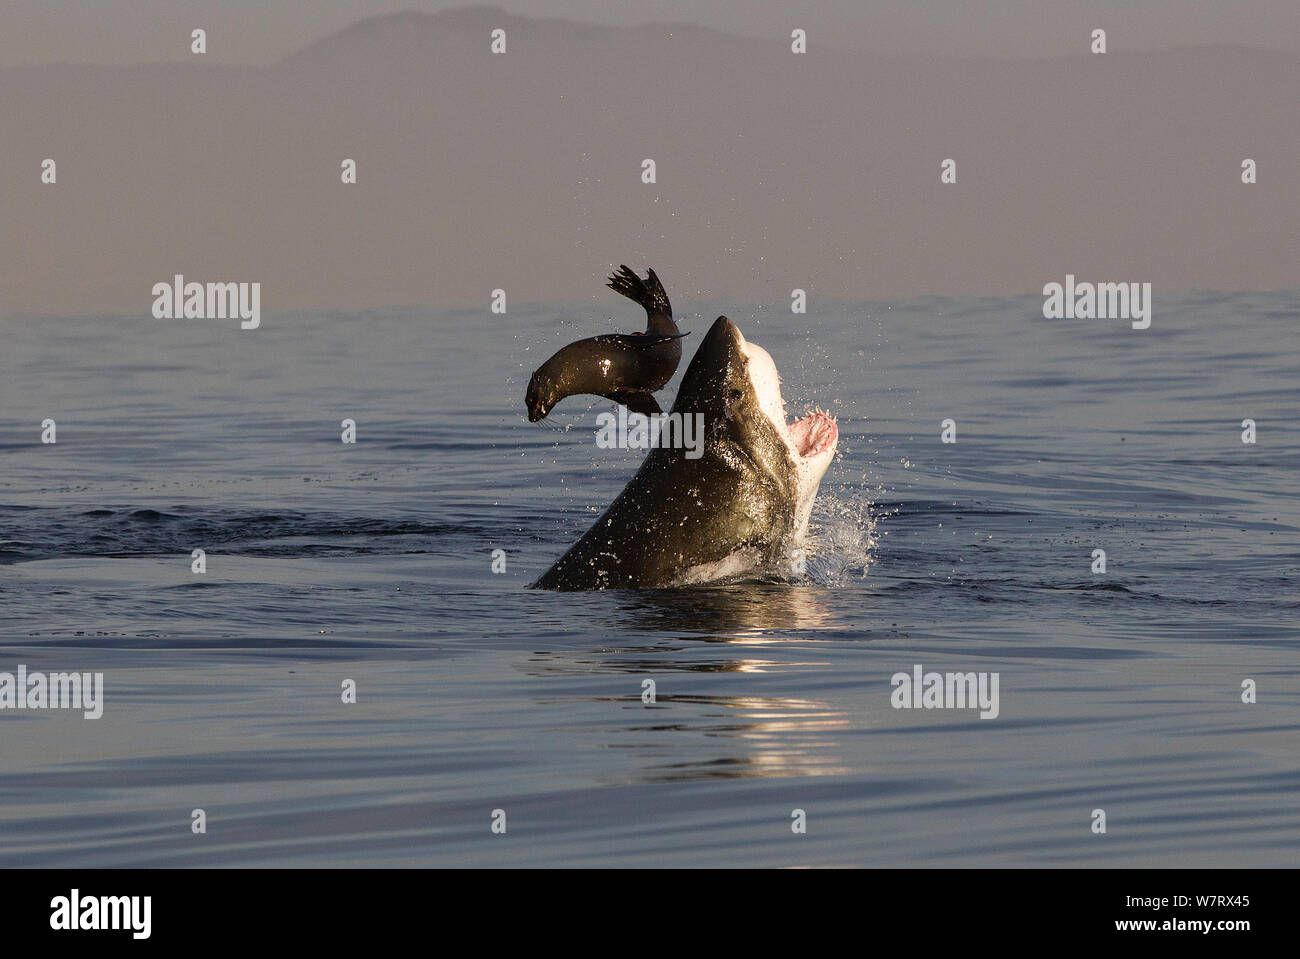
(522, 171)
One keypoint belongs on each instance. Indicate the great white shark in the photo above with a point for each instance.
(739, 509)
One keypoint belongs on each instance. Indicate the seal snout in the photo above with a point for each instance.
(538, 399)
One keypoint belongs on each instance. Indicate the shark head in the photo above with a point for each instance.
(734, 382)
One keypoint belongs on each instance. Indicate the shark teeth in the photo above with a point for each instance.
(814, 434)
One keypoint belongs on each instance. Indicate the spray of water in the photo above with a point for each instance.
(842, 535)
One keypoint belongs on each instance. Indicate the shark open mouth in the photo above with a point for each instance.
(813, 435)
(811, 440)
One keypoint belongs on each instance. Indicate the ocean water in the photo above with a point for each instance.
(1119, 691)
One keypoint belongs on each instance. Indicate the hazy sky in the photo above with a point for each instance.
(258, 31)
(774, 171)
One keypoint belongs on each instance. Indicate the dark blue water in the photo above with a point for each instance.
(373, 562)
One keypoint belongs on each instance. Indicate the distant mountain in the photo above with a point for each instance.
(523, 171)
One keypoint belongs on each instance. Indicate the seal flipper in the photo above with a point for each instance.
(649, 293)
(637, 401)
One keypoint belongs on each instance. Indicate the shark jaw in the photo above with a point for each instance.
(810, 442)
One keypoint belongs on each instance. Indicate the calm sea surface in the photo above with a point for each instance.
(372, 562)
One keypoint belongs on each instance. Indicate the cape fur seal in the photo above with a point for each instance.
(624, 367)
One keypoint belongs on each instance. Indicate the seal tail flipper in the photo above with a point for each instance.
(648, 292)
(638, 401)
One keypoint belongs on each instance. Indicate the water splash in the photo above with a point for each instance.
(842, 534)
